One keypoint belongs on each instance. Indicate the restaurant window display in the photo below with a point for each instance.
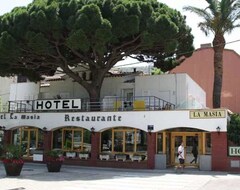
(72, 139)
(123, 140)
(30, 139)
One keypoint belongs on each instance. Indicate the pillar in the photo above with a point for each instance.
(7, 137)
(47, 137)
(95, 144)
(151, 150)
(219, 151)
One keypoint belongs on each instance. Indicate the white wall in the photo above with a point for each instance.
(178, 89)
(24, 91)
(5, 83)
(161, 120)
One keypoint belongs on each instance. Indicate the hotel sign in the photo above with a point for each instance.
(58, 104)
(234, 151)
(207, 114)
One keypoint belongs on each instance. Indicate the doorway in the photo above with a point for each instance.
(191, 140)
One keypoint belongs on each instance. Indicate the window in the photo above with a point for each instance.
(160, 143)
(124, 140)
(21, 79)
(208, 144)
(72, 139)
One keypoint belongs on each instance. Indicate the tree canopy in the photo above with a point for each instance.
(94, 35)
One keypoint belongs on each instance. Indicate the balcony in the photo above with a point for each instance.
(137, 103)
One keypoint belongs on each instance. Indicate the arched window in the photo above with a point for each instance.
(124, 140)
(29, 138)
(72, 139)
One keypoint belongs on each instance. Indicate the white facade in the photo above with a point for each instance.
(24, 91)
(178, 89)
(161, 120)
(5, 83)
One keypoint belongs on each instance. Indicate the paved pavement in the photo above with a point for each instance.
(36, 177)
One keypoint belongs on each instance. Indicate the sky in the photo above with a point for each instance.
(232, 40)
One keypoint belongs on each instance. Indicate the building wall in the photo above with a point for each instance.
(5, 83)
(161, 120)
(24, 91)
(178, 89)
(200, 68)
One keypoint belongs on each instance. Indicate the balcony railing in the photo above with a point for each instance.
(137, 103)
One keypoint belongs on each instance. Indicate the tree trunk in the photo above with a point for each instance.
(94, 89)
(218, 46)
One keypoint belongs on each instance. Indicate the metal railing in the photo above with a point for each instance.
(136, 103)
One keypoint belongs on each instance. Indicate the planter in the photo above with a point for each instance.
(122, 157)
(136, 158)
(104, 156)
(70, 154)
(54, 166)
(13, 169)
(83, 156)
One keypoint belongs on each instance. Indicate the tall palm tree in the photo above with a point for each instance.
(219, 18)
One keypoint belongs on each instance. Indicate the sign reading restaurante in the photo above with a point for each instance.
(207, 114)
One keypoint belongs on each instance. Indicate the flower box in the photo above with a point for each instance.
(122, 157)
(70, 154)
(83, 155)
(136, 158)
(104, 156)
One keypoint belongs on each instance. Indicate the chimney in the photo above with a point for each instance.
(206, 45)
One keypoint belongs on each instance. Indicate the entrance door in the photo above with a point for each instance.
(190, 140)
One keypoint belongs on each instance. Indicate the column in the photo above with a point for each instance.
(151, 150)
(47, 137)
(219, 151)
(95, 144)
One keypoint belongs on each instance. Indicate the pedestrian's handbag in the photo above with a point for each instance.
(178, 153)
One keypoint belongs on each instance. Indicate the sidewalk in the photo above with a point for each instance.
(36, 177)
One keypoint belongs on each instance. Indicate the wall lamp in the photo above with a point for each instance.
(150, 128)
(218, 129)
(92, 130)
(44, 129)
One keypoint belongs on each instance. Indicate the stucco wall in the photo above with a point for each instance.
(200, 68)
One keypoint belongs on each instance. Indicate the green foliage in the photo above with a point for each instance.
(96, 34)
(233, 129)
(13, 152)
(156, 71)
(54, 153)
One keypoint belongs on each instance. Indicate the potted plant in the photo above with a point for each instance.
(54, 160)
(136, 157)
(104, 156)
(121, 156)
(84, 154)
(70, 154)
(12, 160)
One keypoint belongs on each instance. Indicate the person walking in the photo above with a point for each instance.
(181, 157)
(195, 153)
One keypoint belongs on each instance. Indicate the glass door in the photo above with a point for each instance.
(192, 142)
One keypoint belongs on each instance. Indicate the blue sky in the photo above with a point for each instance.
(192, 20)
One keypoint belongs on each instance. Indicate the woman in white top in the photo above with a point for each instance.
(181, 156)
